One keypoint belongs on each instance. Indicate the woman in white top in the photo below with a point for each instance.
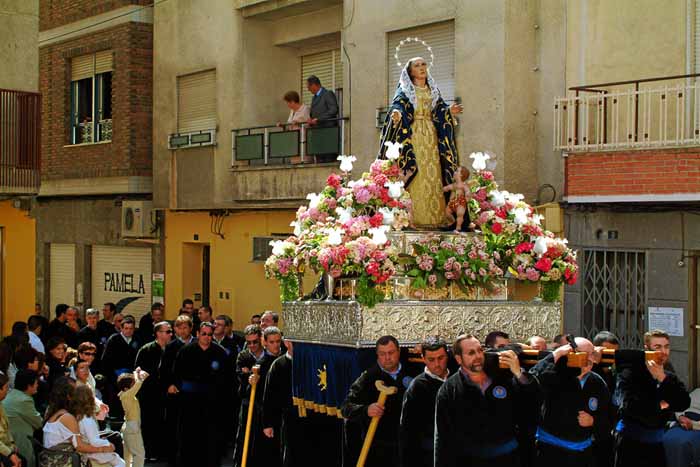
(298, 112)
(61, 430)
(84, 410)
(80, 370)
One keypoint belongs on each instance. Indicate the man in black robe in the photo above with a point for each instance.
(574, 410)
(152, 396)
(148, 321)
(417, 426)
(61, 327)
(105, 327)
(279, 414)
(648, 396)
(89, 333)
(361, 405)
(119, 357)
(228, 419)
(604, 446)
(249, 357)
(476, 412)
(204, 373)
(170, 381)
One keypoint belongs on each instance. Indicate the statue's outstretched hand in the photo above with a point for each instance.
(456, 109)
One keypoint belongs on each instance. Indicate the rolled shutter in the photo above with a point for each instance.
(328, 66)
(196, 102)
(103, 61)
(82, 67)
(62, 274)
(441, 38)
(122, 275)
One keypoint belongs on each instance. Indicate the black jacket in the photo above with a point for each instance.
(417, 426)
(119, 356)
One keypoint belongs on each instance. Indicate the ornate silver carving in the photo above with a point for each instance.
(349, 324)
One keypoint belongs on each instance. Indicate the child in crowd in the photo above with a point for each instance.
(129, 385)
(84, 410)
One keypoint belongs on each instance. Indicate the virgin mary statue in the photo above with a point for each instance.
(421, 120)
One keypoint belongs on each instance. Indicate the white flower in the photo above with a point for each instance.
(498, 198)
(346, 162)
(344, 214)
(537, 219)
(515, 198)
(379, 234)
(394, 150)
(314, 199)
(335, 236)
(521, 215)
(297, 228)
(280, 246)
(387, 215)
(480, 159)
(540, 247)
(395, 189)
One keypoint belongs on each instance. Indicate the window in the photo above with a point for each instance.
(91, 98)
(261, 246)
(196, 102)
(328, 66)
(613, 296)
(441, 38)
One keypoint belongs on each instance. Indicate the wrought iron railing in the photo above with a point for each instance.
(20, 141)
(290, 144)
(637, 114)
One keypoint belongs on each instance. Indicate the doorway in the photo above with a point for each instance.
(196, 273)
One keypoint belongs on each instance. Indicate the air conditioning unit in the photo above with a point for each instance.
(138, 219)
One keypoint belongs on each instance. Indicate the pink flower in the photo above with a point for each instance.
(480, 195)
(532, 274)
(362, 194)
(425, 262)
(486, 175)
(432, 279)
(334, 181)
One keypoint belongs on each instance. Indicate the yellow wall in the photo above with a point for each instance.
(232, 270)
(18, 265)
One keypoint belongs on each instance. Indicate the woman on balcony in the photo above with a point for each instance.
(421, 120)
(298, 112)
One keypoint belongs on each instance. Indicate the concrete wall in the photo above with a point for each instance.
(17, 287)
(666, 237)
(19, 53)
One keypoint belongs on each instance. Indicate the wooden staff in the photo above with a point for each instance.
(580, 359)
(249, 420)
(384, 391)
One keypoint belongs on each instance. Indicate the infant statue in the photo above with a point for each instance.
(457, 206)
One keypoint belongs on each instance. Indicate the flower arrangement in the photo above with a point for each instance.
(343, 231)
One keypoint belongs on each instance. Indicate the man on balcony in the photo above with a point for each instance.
(324, 105)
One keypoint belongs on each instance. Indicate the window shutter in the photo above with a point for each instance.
(327, 66)
(103, 61)
(441, 38)
(697, 36)
(120, 273)
(196, 102)
(82, 67)
(62, 274)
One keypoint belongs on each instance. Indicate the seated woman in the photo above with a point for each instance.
(9, 454)
(56, 359)
(84, 410)
(682, 441)
(62, 431)
(80, 371)
(298, 112)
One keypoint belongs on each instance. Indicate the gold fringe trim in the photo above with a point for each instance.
(303, 404)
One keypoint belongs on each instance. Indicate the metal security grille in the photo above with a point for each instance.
(614, 294)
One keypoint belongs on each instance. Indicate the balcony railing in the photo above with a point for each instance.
(290, 144)
(20, 141)
(639, 114)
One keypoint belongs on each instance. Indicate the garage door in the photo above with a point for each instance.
(122, 275)
(62, 274)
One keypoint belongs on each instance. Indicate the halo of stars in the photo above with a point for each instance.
(408, 40)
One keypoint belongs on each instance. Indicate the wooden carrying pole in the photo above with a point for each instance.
(384, 391)
(580, 359)
(249, 420)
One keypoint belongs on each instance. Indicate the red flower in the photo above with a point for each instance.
(500, 212)
(524, 247)
(497, 228)
(384, 195)
(334, 181)
(480, 195)
(486, 175)
(376, 220)
(544, 264)
(570, 277)
(372, 268)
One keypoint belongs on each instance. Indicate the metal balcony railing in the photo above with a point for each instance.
(290, 144)
(20, 141)
(637, 114)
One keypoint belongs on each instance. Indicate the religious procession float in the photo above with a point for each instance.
(389, 263)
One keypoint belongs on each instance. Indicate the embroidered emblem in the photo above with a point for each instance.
(215, 365)
(406, 381)
(499, 392)
(593, 404)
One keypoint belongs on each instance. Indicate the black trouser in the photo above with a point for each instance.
(554, 456)
(511, 459)
(197, 435)
(262, 451)
(172, 420)
(153, 426)
(630, 452)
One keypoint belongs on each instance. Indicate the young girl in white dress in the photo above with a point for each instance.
(84, 411)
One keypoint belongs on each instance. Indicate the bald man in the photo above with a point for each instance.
(575, 408)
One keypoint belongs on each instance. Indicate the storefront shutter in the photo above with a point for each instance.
(196, 101)
(328, 66)
(62, 274)
(122, 275)
(441, 38)
(82, 67)
(103, 61)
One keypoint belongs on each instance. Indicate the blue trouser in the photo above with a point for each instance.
(682, 447)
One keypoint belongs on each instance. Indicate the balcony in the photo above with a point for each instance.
(20, 143)
(631, 141)
(277, 9)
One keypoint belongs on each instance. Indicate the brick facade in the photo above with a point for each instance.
(648, 172)
(129, 153)
(55, 13)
